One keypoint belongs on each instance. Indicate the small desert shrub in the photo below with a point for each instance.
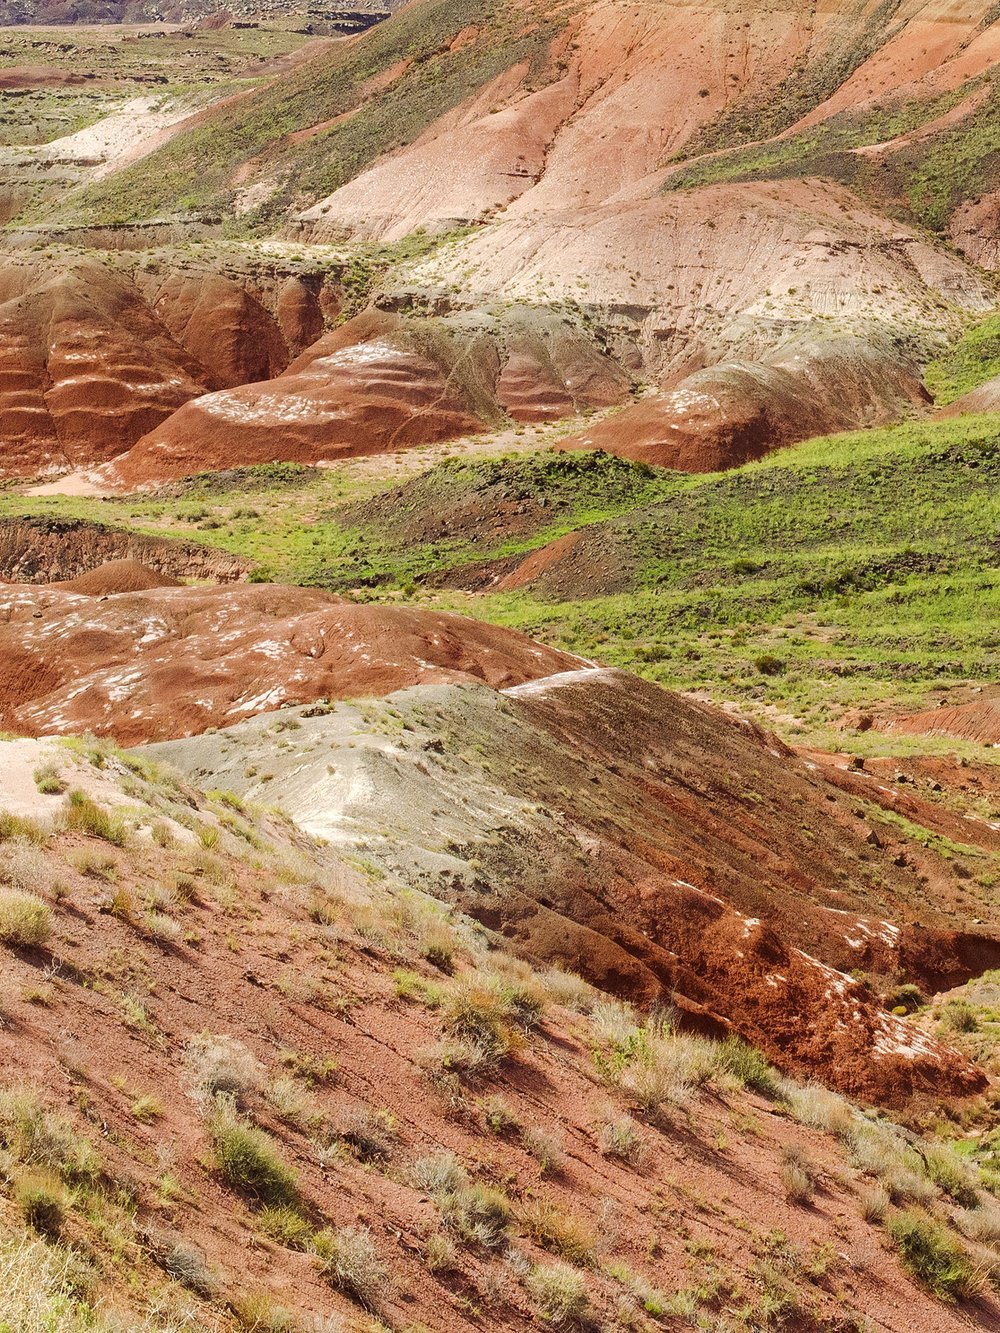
(655, 1066)
(952, 1175)
(569, 990)
(487, 1012)
(25, 920)
(246, 1158)
(351, 1264)
(16, 826)
(257, 1312)
(981, 1225)
(558, 1231)
(560, 1294)
(25, 866)
(620, 1137)
(145, 1109)
(873, 1202)
(796, 1176)
(958, 1016)
(84, 815)
(410, 985)
(546, 1147)
(614, 1021)
(459, 1055)
(49, 781)
(161, 834)
(372, 1138)
(95, 865)
(162, 928)
(907, 998)
(36, 1136)
(440, 1254)
(189, 1268)
(933, 1255)
(285, 1225)
(651, 1298)
(293, 1102)
(878, 1150)
(748, 1066)
(478, 1215)
(439, 1174)
(41, 1200)
(499, 1116)
(208, 835)
(817, 1107)
(439, 949)
(221, 1064)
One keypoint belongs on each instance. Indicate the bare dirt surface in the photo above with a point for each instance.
(40, 550)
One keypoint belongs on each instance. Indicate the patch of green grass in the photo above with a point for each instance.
(933, 1255)
(246, 1158)
(973, 360)
(824, 149)
(865, 563)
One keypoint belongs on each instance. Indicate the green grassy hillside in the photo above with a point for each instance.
(853, 570)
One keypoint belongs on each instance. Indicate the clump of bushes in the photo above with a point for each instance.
(491, 1014)
(620, 1137)
(748, 1067)
(351, 1264)
(83, 815)
(478, 1215)
(245, 1157)
(25, 920)
(49, 781)
(221, 1064)
(36, 1136)
(797, 1176)
(40, 1198)
(560, 1232)
(933, 1256)
(560, 1294)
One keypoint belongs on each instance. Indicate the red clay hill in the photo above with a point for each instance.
(727, 210)
(655, 870)
(171, 661)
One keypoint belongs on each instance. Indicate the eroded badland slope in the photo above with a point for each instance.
(763, 213)
(553, 881)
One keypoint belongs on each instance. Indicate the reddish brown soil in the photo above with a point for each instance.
(974, 717)
(41, 550)
(341, 399)
(172, 661)
(706, 1202)
(91, 359)
(746, 913)
(115, 577)
(734, 413)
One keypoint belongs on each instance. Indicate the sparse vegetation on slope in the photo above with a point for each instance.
(197, 168)
(202, 1214)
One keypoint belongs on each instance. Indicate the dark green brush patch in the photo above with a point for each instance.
(763, 115)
